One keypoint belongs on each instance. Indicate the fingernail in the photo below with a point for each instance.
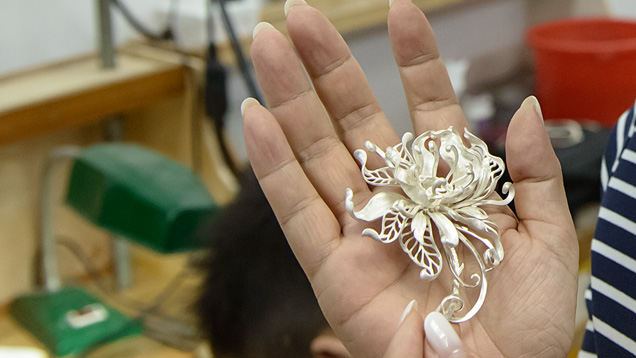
(249, 101)
(412, 306)
(390, 2)
(442, 337)
(290, 3)
(535, 102)
(261, 26)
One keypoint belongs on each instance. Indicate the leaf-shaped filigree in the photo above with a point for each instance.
(419, 244)
(393, 223)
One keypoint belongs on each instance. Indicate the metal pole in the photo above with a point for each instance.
(51, 276)
(121, 256)
(106, 42)
(107, 52)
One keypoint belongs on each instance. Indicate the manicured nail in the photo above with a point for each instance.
(412, 306)
(249, 101)
(290, 3)
(261, 26)
(535, 103)
(442, 337)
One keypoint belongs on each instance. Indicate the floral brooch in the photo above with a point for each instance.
(447, 206)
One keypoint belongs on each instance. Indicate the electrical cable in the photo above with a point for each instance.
(163, 328)
(96, 276)
(215, 96)
(238, 51)
(165, 35)
(140, 318)
(91, 270)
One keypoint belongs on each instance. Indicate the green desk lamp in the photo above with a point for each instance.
(131, 192)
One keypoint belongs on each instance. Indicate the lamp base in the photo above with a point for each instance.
(70, 320)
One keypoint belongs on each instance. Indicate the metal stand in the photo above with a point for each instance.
(107, 52)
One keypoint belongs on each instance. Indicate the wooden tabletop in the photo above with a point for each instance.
(78, 92)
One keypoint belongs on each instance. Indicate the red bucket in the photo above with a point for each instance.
(585, 68)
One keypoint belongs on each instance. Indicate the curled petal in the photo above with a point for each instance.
(423, 159)
(420, 225)
(474, 222)
(490, 238)
(379, 204)
(507, 188)
(447, 230)
(472, 212)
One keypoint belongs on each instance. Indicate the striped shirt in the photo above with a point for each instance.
(611, 297)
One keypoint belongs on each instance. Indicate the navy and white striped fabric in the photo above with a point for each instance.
(611, 297)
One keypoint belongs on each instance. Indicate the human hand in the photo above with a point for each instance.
(301, 151)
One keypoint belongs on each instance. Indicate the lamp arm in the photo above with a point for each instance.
(50, 273)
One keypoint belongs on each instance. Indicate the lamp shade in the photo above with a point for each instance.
(140, 195)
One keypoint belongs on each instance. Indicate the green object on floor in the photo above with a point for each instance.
(140, 195)
(71, 320)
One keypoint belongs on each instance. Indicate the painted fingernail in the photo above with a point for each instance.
(412, 306)
(442, 337)
(290, 3)
(261, 26)
(249, 101)
(535, 103)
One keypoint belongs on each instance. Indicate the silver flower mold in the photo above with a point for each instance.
(449, 206)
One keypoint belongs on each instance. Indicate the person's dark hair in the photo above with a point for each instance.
(256, 300)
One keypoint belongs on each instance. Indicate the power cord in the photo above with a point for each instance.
(238, 51)
(172, 338)
(216, 98)
(165, 35)
(96, 276)
(162, 328)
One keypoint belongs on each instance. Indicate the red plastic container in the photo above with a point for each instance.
(585, 68)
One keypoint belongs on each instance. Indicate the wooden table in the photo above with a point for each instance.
(79, 92)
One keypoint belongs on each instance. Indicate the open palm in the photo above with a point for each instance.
(301, 150)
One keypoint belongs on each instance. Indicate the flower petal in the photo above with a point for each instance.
(419, 225)
(473, 212)
(447, 230)
(379, 205)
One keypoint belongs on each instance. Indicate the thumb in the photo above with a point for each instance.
(442, 337)
(535, 169)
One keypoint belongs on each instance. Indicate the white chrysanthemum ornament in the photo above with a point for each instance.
(449, 205)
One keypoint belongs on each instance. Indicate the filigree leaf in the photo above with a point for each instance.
(423, 251)
(393, 224)
(379, 177)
